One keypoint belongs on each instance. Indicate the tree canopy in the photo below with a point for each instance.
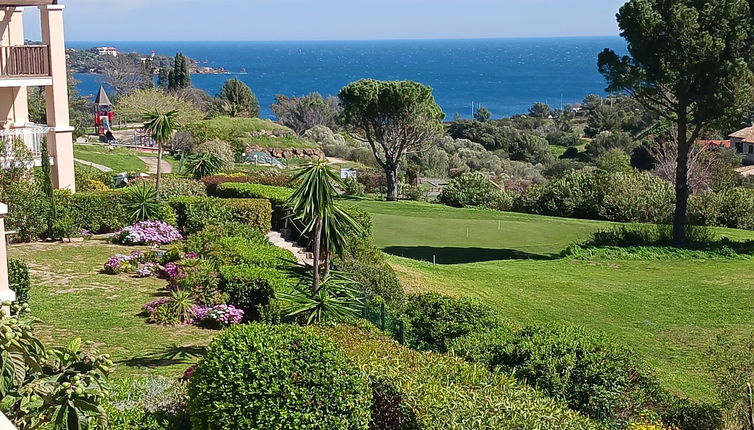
(133, 106)
(236, 99)
(394, 117)
(690, 62)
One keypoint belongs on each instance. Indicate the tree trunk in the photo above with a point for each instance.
(391, 176)
(159, 169)
(681, 183)
(317, 249)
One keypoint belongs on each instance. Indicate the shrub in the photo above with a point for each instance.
(238, 251)
(732, 208)
(413, 390)
(475, 189)
(637, 197)
(28, 208)
(366, 265)
(434, 320)
(283, 377)
(352, 187)
(585, 370)
(198, 243)
(203, 164)
(577, 194)
(173, 186)
(250, 288)
(98, 212)
(195, 213)
(149, 403)
(19, 281)
(141, 202)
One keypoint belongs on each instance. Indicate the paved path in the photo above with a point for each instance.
(151, 163)
(302, 256)
(95, 165)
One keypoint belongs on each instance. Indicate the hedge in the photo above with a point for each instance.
(278, 197)
(281, 377)
(97, 211)
(19, 281)
(417, 391)
(251, 288)
(195, 213)
(237, 251)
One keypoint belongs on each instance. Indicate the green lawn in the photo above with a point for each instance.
(118, 159)
(73, 299)
(668, 311)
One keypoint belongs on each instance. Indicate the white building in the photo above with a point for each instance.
(107, 50)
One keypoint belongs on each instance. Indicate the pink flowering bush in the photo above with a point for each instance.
(147, 233)
(121, 263)
(218, 315)
(145, 270)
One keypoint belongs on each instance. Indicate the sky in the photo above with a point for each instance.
(242, 20)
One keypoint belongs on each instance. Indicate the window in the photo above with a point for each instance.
(740, 147)
(751, 149)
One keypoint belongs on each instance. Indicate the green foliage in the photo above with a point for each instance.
(373, 276)
(395, 116)
(433, 320)
(131, 107)
(204, 164)
(413, 390)
(614, 160)
(475, 189)
(237, 251)
(251, 288)
(28, 209)
(86, 175)
(98, 212)
(180, 76)
(19, 281)
(141, 202)
(276, 377)
(540, 110)
(731, 366)
(352, 187)
(236, 99)
(304, 113)
(277, 195)
(611, 141)
(585, 370)
(172, 186)
(501, 134)
(195, 213)
(148, 403)
(230, 129)
(59, 388)
(335, 300)
(731, 207)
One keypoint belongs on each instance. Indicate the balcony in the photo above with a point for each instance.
(27, 61)
(21, 3)
(32, 135)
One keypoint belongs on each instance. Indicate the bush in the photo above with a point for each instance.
(732, 208)
(365, 263)
(98, 212)
(636, 197)
(195, 213)
(149, 403)
(278, 196)
(236, 251)
(475, 189)
(173, 186)
(413, 390)
(28, 209)
(252, 288)
(19, 281)
(585, 370)
(577, 194)
(434, 320)
(352, 187)
(272, 177)
(282, 377)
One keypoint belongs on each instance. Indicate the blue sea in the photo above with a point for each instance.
(504, 75)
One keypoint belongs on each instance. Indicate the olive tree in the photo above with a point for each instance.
(395, 117)
(690, 62)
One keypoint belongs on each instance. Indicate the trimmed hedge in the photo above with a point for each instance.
(237, 251)
(585, 370)
(251, 288)
(19, 281)
(417, 391)
(278, 197)
(97, 211)
(196, 213)
(282, 377)
(433, 320)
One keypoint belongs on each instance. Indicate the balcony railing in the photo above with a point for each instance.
(32, 136)
(24, 61)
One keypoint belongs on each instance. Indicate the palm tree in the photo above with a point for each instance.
(313, 203)
(162, 125)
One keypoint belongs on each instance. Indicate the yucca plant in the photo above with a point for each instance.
(337, 299)
(313, 203)
(204, 164)
(181, 305)
(162, 125)
(141, 202)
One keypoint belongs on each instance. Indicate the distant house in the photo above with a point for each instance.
(107, 50)
(712, 144)
(743, 142)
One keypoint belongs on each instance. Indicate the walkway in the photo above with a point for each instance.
(302, 256)
(95, 165)
(151, 163)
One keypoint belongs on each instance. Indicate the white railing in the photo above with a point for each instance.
(32, 135)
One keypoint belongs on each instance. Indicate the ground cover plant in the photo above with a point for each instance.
(668, 311)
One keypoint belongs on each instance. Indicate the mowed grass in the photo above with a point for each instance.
(119, 159)
(73, 299)
(669, 311)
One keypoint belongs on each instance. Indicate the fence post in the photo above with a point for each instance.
(382, 316)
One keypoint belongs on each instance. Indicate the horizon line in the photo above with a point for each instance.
(427, 39)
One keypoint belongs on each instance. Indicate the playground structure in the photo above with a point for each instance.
(103, 116)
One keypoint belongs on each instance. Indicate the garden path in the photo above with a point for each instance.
(302, 256)
(95, 165)
(151, 163)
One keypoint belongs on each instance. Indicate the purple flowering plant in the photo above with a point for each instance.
(147, 233)
(218, 314)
